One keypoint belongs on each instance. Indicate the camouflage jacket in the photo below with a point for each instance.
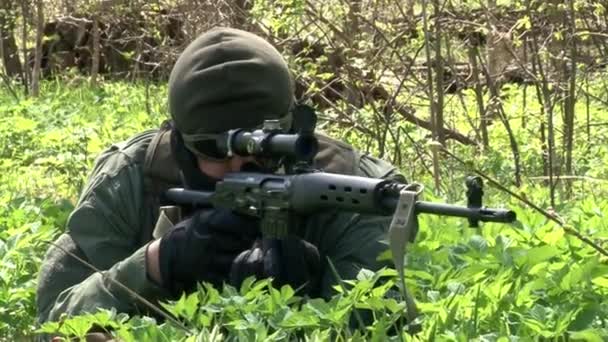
(115, 215)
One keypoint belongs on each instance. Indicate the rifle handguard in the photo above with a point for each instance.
(278, 196)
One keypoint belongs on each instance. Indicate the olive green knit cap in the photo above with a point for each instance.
(226, 79)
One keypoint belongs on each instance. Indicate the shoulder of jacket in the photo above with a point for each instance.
(124, 154)
(373, 167)
(336, 156)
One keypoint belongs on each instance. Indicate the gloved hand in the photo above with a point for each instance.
(290, 261)
(203, 248)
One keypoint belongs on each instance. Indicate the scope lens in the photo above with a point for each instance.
(306, 147)
(510, 216)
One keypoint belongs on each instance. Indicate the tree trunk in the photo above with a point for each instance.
(438, 133)
(431, 92)
(351, 28)
(570, 100)
(524, 92)
(588, 112)
(483, 127)
(351, 31)
(24, 29)
(493, 39)
(95, 52)
(35, 90)
(9, 52)
(544, 93)
(495, 106)
(492, 42)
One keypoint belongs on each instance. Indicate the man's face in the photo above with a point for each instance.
(219, 168)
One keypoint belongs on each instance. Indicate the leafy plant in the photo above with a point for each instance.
(496, 283)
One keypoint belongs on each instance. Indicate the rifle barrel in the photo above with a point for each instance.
(191, 197)
(481, 214)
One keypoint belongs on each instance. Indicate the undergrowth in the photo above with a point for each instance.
(495, 283)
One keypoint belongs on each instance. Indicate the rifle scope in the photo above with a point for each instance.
(269, 142)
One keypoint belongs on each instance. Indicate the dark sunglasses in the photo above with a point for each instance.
(208, 149)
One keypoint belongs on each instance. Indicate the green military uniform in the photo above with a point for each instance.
(225, 79)
(114, 219)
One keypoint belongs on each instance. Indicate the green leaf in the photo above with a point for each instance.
(589, 335)
(572, 278)
(600, 281)
(185, 307)
(49, 327)
(300, 320)
(554, 236)
(24, 124)
(287, 293)
(540, 254)
(319, 306)
(365, 274)
(78, 326)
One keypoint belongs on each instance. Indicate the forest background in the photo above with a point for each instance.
(442, 88)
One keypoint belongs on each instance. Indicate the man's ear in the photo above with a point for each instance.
(190, 173)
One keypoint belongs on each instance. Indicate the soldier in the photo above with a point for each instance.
(225, 79)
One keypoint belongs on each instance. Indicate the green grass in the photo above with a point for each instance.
(497, 283)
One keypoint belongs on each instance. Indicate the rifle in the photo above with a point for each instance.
(278, 199)
(275, 199)
(281, 200)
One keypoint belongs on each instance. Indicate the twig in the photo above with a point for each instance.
(572, 178)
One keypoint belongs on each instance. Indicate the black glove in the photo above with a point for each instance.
(203, 248)
(290, 261)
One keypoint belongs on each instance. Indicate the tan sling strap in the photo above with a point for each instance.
(160, 173)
